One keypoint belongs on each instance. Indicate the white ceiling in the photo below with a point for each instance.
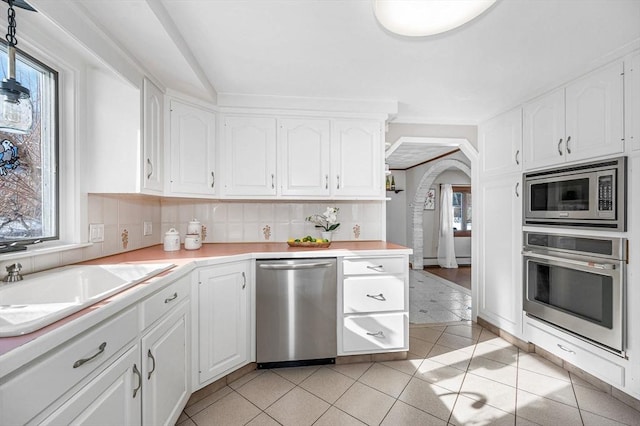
(336, 49)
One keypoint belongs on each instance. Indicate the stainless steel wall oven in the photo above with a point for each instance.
(577, 283)
(590, 195)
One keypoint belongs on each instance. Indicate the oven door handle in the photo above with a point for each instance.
(593, 265)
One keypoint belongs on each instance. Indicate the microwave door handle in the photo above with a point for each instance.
(592, 265)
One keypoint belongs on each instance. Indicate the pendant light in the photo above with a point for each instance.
(16, 110)
(418, 18)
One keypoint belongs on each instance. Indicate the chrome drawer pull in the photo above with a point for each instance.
(137, 373)
(376, 267)
(566, 349)
(379, 297)
(150, 355)
(79, 362)
(378, 334)
(172, 298)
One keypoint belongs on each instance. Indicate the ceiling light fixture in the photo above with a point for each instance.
(418, 18)
(16, 110)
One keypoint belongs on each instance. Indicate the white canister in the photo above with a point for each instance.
(194, 227)
(172, 240)
(192, 242)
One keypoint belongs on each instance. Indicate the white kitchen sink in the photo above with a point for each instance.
(45, 297)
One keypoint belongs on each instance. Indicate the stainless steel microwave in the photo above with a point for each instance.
(589, 195)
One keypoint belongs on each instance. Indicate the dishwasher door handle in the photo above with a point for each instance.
(296, 266)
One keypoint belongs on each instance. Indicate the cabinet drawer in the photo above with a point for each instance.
(587, 360)
(37, 386)
(375, 333)
(158, 304)
(374, 265)
(373, 294)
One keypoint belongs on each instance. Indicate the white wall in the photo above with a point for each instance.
(396, 210)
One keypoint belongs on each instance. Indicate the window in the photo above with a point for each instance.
(462, 211)
(29, 163)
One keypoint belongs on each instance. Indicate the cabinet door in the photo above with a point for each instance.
(153, 138)
(165, 368)
(112, 398)
(543, 130)
(303, 147)
(500, 141)
(224, 319)
(594, 111)
(500, 290)
(632, 99)
(249, 152)
(192, 150)
(357, 165)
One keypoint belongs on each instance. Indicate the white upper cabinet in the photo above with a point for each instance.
(249, 156)
(357, 160)
(632, 105)
(193, 151)
(500, 142)
(580, 121)
(153, 138)
(304, 147)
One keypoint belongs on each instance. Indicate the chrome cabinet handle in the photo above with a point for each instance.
(560, 146)
(379, 297)
(517, 187)
(377, 334)
(82, 361)
(567, 145)
(137, 373)
(517, 157)
(589, 265)
(153, 368)
(375, 267)
(172, 298)
(244, 280)
(213, 179)
(326, 181)
(559, 345)
(273, 182)
(150, 169)
(295, 266)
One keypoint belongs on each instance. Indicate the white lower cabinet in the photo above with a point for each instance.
(224, 325)
(374, 314)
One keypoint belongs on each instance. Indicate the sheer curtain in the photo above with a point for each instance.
(446, 252)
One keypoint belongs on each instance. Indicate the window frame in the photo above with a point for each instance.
(466, 189)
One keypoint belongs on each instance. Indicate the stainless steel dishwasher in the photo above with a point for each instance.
(296, 312)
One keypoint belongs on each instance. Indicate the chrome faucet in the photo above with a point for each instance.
(13, 273)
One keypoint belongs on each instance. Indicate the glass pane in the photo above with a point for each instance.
(568, 195)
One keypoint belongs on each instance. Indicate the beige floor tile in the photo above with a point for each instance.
(465, 330)
(335, 417)
(577, 380)
(265, 389)
(183, 417)
(295, 374)
(429, 398)
(367, 405)
(591, 419)
(385, 379)
(521, 421)
(206, 391)
(207, 401)
(407, 366)
(441, 375)
(489, 392)
(493, 339)
(468, 411)
(230, 410)
(454, 358)
(545, 411)
(494, 370)
(406, 415)
(297, 408)
(546, 386)
(456, 342)
(537, 364)
(425, 333)
(352, 370)
(605, 405)
(419, 347)
(327, 384)
(503, 354)
(246, 379)
(187, 422)
(263, 420)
